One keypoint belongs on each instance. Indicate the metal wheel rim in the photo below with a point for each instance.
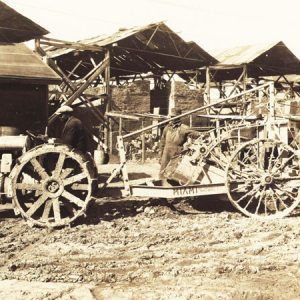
(266, 186)
(53, 191)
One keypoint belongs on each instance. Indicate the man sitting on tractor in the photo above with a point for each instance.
(73, 132)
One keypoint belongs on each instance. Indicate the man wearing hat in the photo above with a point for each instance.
(73, 132)
(174, 135)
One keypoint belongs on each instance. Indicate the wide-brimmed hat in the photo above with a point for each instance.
(64, 109)
(175, 112)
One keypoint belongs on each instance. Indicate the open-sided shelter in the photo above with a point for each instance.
(152, 48)
(16, 28)
(242, 63)
(152, 51)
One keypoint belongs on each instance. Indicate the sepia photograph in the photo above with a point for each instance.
(149, 149)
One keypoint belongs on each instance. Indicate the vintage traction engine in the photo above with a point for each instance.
(49, 184)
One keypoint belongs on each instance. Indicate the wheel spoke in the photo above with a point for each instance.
(37, 166)
(59, 165)
(250, 200)
(253, 191)
(274, 201)
(289, 194)
(281, 167)
(253, 169)
(36, 205)
(74, 178)
(66, 172)
(280, 200)
(271, 157)
(279, 157)
(72, 198)
(29, 186)
(260, 199)
(80, 187)
(46, 211)
(56, 210)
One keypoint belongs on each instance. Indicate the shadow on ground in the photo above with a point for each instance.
(112, 209)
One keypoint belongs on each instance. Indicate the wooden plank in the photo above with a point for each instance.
(69, 45)
(121, 115)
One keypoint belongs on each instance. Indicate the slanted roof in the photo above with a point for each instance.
(151, 48)
(243, 54)
(272, 59)
(15, 28)
(17, 61)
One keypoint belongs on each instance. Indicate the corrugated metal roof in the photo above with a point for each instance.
(151, 48)
(243, 54)
(272, 59)
(18, 62)
(15, 28)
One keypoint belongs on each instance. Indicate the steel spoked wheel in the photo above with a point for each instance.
(221, 151)
(52, 185)
(263, 179)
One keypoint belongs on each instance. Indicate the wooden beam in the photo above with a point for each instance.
(160, 54)
(56, 43)
(121, 115)
(151, 37)
(100, 68)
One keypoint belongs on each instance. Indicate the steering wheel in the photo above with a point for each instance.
(37, 137)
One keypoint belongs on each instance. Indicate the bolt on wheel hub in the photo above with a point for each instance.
(267, 179)
(52, 186)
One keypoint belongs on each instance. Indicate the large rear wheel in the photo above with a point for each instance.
(52, 185)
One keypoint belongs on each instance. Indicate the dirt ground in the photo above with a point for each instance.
(152, 249)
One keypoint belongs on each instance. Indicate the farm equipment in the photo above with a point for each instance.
(51, 185)
(252, 157)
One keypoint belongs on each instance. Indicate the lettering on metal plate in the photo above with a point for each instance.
(185, 191)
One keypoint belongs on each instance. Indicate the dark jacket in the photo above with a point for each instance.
(74, 134)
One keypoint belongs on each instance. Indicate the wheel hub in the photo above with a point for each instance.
(53, 187)
(267, 179)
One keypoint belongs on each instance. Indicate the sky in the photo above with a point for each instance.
(214, 24)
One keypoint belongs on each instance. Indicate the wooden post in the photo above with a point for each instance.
(207, 85)
(120, 125)
(108, 101)
(110, 136)
(245, 80)
(207, 91)
(143, 143)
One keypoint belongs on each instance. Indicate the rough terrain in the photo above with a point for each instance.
(152, 249)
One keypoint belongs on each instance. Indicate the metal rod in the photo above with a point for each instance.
(195, 110)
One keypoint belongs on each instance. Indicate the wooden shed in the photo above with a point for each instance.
(24, 80)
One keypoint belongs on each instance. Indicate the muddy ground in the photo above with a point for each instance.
(152, 249)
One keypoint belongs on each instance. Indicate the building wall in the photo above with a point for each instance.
(187, 99)
(132, 98)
